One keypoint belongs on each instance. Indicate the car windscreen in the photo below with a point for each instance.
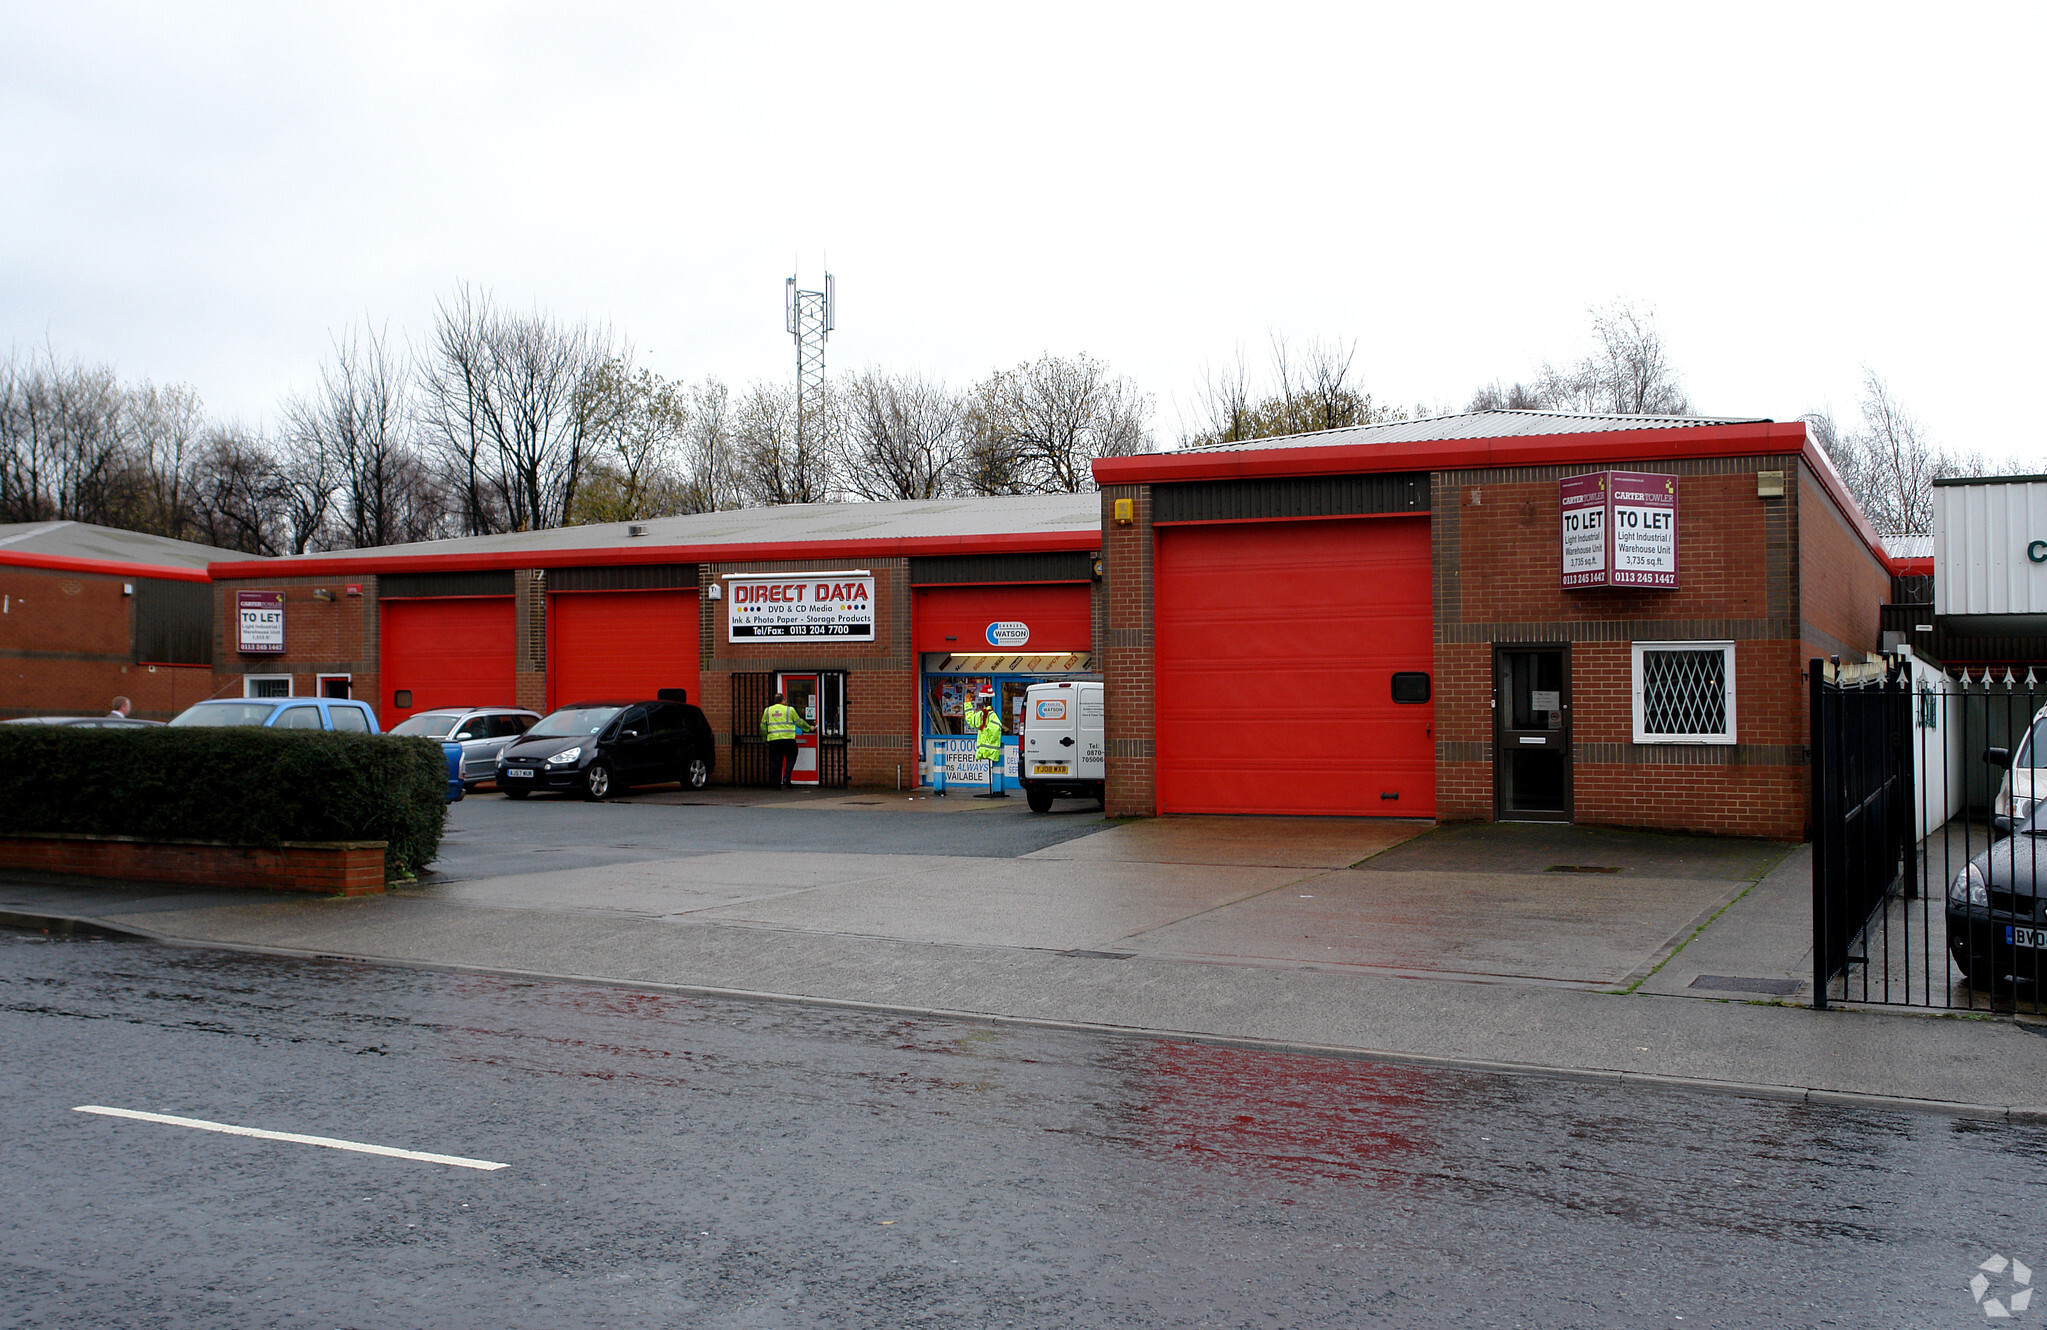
(571, 722)
(432, 724)
(227, 713)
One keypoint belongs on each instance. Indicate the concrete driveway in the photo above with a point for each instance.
(1516, 903)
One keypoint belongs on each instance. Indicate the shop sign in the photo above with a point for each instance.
(1619, 529)
(260, 616)
(799, 607)
(961, 767)
(1010, 634)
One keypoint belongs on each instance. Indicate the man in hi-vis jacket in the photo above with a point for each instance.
(988, 746)
(779, 724)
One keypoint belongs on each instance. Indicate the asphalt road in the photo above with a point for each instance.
(489, 834)
(672, 1161)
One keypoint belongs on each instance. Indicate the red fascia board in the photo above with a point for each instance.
(605, 556)
(110, 567)
(1912, 567)
(1614, 447)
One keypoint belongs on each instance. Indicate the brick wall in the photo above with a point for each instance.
(1124, 649)
(337, 636)
(67, 649)
(881, 676)
(336, 868)
(1495, 537)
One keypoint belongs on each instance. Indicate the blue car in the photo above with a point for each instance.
(307, 713)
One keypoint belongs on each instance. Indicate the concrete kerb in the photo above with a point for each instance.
(70, 925)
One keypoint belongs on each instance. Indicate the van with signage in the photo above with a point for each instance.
(1064, 743)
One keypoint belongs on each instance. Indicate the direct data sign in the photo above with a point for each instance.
(1619, 529)
(799, 607)
(259, 617)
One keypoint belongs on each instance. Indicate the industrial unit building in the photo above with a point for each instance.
(89, 612)
(1493, 615)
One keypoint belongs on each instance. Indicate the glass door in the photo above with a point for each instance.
(1532, 733)
(802, 693)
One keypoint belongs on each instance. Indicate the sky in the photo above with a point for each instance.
(207, 194)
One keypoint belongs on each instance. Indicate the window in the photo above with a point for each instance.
(266, 685)
(1684, 692)
(1410, 686)
(299, 718)
(336, 685)
(349, 720)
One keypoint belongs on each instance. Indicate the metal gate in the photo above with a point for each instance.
(1927, 876)
(751, 694)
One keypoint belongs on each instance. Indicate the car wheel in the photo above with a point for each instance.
(516, 792)
(1039, 798)
(697, 774)
(597, 781)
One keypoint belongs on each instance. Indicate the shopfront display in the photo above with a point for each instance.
(950, 691)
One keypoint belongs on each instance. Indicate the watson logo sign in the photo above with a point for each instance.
(1010, 634)
(800, 607)
(1619, 529)
(260, 619)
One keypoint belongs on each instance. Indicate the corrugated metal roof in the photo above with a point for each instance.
(1908, 547)
(82, 540)
(825, 523)
(1476, 425)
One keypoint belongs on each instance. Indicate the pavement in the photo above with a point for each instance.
(1508, 947)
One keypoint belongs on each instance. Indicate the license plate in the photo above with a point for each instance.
(525, 773)
(2027, 937)
(1049, 769)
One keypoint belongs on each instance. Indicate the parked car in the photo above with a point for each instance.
(604, 748)
(88, 722)
(482, 733)
(2025, 784)
(1997, 911)
(284, 713)
(453, 752)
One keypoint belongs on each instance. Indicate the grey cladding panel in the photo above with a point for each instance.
(397, 586)
(624, 577)
(1290, 496)
(1060, 566)
(173, 621)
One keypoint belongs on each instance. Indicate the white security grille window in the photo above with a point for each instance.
(1684, 692)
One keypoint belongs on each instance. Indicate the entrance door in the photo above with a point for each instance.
(1531, 733)
(802, 693)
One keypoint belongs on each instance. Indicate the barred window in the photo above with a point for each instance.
(1684, 692)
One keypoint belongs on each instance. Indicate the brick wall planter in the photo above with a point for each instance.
(332, 868)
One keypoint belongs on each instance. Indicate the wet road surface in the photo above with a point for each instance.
(675, 1161)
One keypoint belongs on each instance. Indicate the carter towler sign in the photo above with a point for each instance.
(1619, 529)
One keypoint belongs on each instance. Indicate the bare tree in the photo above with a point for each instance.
(903, 437)
(1627, 372)
(1515, 396)
(1313, 388)
(235, 493)
(512, 402)
(166, 426)
(360, 420)
(1887, 462)
(710, 480)
(65, 442)
(1039, 426)
(774, 462)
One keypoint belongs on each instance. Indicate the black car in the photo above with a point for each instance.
(604, 748)
(1997, 912)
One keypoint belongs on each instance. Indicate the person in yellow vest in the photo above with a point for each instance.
(779, 724)
(988, 746)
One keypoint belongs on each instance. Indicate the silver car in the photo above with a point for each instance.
(480, 732)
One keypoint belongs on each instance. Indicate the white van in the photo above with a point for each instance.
(2025, 783)
(1063, 745)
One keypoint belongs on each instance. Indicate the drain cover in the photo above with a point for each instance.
(1736, 984)
(1582, 868)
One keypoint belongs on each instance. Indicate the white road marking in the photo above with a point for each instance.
(200, 1124)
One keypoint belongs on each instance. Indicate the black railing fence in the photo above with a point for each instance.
(1927, 874)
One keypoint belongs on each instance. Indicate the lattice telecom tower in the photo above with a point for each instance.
(810, 316)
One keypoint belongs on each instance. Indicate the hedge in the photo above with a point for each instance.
(237, 784)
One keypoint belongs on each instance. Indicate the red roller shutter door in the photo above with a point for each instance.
(452, 652)
(620, 644)
(1276, 643)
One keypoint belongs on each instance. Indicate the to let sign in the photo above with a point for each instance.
(260, 619)
(800, 607)
(1619, 529)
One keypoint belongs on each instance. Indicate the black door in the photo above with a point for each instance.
(633, 746)
(671, 740)
(1532, 733)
